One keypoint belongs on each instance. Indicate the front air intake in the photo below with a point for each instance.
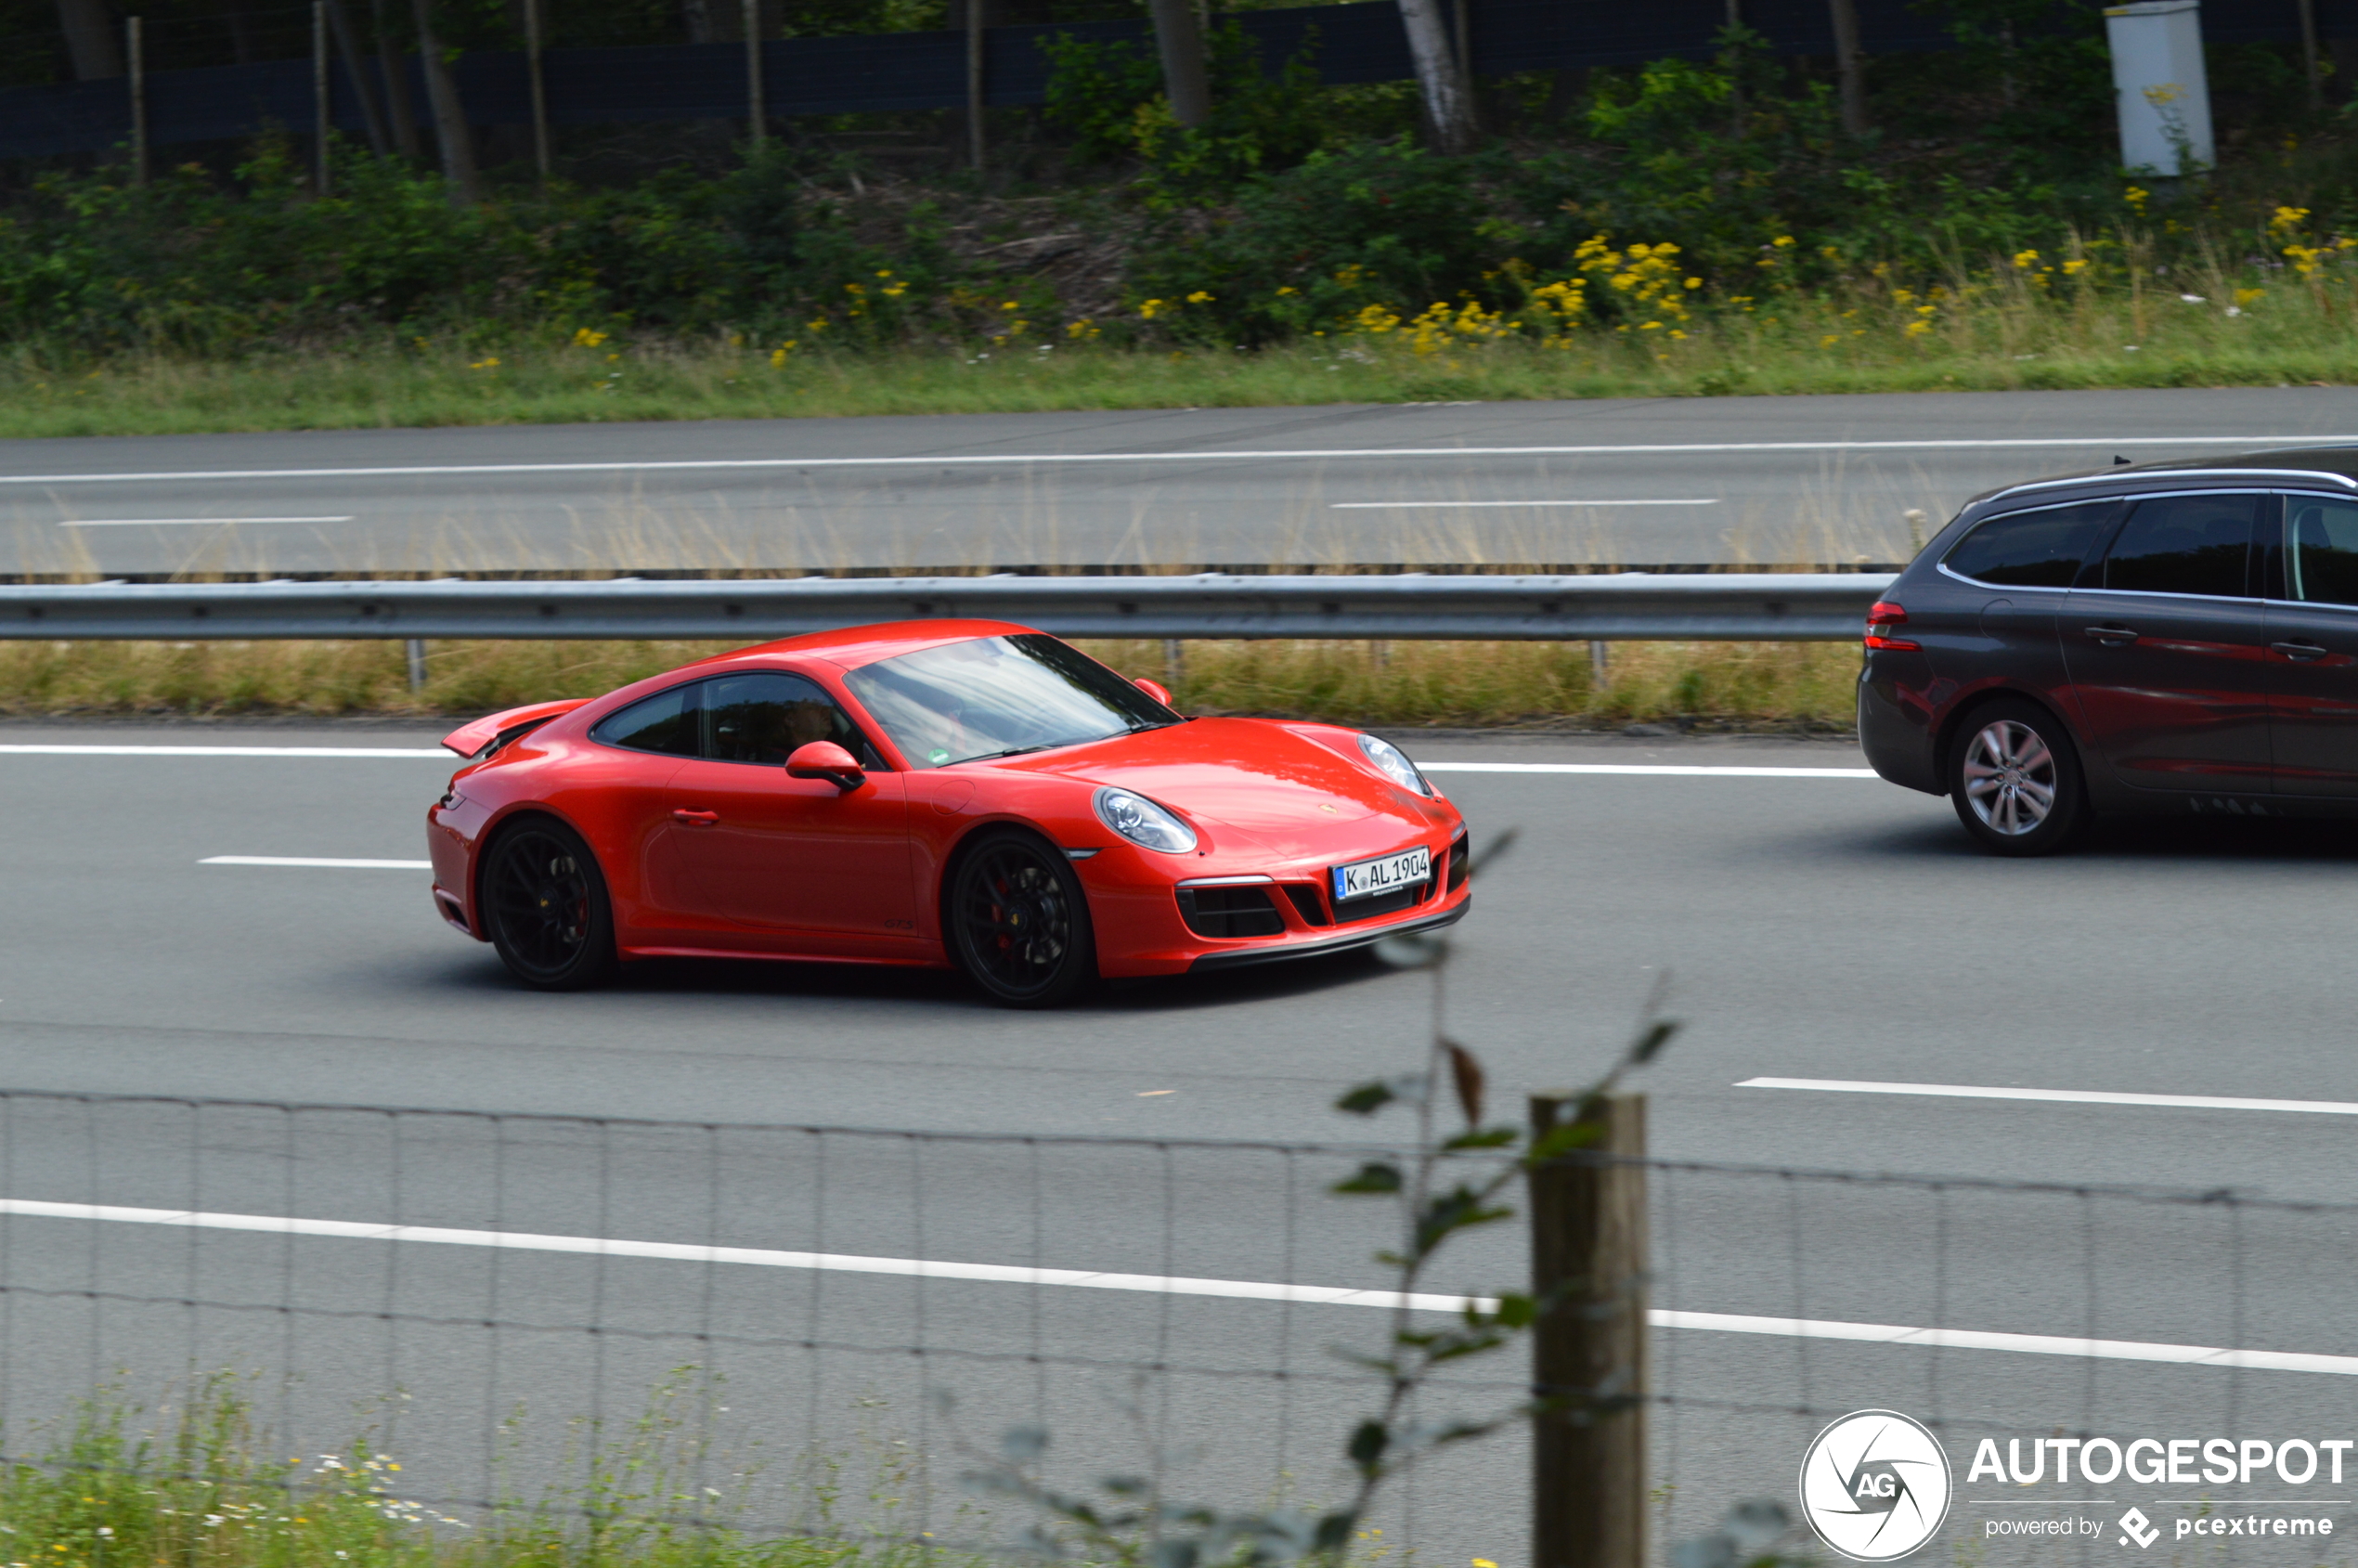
(1230, 912)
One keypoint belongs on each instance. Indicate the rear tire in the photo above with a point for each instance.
(1018, 921)
(544, 901)
(2015, 781)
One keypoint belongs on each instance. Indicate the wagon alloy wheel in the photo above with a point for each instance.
(2015, 781)
(546, 908)
(1020, 922)
(2009, 777)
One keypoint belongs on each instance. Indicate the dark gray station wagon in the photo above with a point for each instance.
(2162, 638)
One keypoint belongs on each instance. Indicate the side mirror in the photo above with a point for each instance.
(1154, 688)
(824, 760)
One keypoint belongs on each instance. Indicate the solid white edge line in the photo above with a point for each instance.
(1669, 770)
(2061, 1096)
(717, 464)
(1398, 506)
(1233, 1290)
(330, 751)
(316, 861)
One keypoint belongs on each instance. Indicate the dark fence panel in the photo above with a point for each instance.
(1352, 43)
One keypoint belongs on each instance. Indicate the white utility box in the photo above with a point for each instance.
(2158, 79)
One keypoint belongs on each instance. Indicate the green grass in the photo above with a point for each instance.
(2007, 334)
(199, 1485)
(1803, 687)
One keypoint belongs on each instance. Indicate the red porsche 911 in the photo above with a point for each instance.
(933, 794)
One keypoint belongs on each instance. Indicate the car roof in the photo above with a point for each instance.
(2337, 465)
(851, 646)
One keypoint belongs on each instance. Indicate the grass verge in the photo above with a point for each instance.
(1803, 687)
(2024, 339)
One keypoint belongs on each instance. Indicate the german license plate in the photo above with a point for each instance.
(1387, 874)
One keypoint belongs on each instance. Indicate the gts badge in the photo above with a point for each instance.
(900, 925)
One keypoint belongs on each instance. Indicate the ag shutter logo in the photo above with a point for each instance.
(1875, 1485)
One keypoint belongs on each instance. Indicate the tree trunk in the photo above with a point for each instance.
(348, 45)
(1850, 65)
(90, 40)
(450, 133)
(1439, 78)
(1179, 37)
(396, 79)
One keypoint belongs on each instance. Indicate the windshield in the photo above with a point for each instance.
(1000, 694)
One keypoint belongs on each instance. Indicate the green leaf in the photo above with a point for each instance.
(1373, 1177)
(1366, 1100)
(1482, 1137)
(1516, 1312)
(1368, 1443)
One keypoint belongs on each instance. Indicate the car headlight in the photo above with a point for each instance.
(1142, 822)
(1394, 764)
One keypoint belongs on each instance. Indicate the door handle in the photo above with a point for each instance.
(696, 819)
(2108, 635)
(2299, 652)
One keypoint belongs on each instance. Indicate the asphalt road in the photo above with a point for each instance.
(1824, 928)
(1634, 482)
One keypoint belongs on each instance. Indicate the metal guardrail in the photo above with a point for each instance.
(1745, 607)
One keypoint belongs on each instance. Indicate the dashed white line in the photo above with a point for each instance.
(1238, 455)
(317, 862)
(1230, 1289)
(1403, 506)
(1662, 769)
(2060, 1097)
(184, 522)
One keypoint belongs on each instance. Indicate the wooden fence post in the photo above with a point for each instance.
(1588, 1250)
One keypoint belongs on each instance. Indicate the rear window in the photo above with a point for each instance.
(2040, 548)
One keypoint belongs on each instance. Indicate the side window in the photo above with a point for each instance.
(2041, 549)
(665, 722)
(2184, 544)
(2320, 550)
(766, 716)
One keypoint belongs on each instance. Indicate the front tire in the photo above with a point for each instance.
(1018, 921)
(2015, 781)
(545, 905)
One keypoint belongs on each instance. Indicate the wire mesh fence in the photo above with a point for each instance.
(819, 1331)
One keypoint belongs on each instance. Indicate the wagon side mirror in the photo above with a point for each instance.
(1154, 688)
(824, 760)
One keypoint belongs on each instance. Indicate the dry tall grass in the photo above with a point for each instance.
(1786, 685)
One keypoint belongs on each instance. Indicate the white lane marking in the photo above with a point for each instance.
(1000, 461)
(314, 861)
(2062, 1096)
(1667, 769)
(1232, 1289)
(1403, 506)
(183, 521)
(2026, 1344)
(29, 750)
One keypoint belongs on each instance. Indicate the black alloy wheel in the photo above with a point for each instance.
(1018, 921)
(2013, 776)
(545, 905)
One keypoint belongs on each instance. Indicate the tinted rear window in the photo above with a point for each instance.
(2183, 544)
(2321, 555)
(2041, 549)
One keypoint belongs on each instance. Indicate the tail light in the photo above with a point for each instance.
(1882, 618)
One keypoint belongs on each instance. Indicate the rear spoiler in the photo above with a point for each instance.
(494, 731)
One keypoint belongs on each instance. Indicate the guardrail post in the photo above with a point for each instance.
(1588, 1253)
(416, 648)
(1600, 665)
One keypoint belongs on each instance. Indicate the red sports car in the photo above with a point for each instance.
(930, 793)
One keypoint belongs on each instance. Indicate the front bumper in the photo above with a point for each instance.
(1239, 958)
